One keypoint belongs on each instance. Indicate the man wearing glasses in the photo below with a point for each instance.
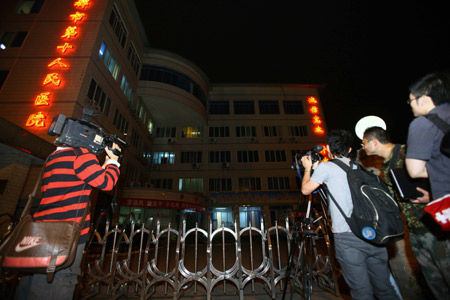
(431, 95)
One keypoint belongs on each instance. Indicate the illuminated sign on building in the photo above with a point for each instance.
(316, 120)
(54, 80)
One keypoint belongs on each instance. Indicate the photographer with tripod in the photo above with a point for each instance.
(364, 266)
(70, 173)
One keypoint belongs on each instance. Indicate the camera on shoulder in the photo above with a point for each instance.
(82, 133)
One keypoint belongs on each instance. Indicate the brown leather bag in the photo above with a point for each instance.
(40, 247)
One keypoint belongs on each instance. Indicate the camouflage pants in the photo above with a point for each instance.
(433, 256)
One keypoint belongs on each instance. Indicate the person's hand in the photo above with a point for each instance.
(306, 162)
(110, 154)
(423, 199)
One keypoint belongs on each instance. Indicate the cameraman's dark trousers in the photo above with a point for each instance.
(365, 268)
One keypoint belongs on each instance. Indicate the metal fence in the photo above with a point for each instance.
(153, 262)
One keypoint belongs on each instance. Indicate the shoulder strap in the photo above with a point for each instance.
(342, 165)
(441, 124)
(335, 203)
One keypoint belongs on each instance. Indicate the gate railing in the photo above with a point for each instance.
(155, 262)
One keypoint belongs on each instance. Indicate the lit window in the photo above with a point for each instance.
(30, 6)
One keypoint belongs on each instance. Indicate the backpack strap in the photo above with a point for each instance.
(335, 203)
(439, 122)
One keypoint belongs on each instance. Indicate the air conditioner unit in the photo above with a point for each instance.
(281, 140)
(213, 140)
(156, 167)
(170, 141)
(293, 140)
(253, 140)
(196, 166)
(226, 165)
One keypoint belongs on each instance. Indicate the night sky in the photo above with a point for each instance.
(366, 53)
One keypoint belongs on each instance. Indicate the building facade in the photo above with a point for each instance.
(223, 150)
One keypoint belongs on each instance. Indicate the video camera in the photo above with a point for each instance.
(82, 133)
(313, 153)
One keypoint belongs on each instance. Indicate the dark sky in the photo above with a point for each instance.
(366, 53)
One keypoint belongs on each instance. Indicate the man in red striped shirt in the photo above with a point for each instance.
(69, 176)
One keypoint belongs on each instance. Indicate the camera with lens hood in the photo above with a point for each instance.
(82, 133)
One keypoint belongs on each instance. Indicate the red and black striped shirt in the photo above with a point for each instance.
(69, 176)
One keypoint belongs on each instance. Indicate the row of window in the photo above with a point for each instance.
(172, 77)
(242, 156)
(12, 39)
(224, 131)
(193, 185)
(247, 107)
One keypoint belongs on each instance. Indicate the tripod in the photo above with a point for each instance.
(304, 236)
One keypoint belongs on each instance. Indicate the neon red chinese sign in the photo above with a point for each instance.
(55, 79)
(316, 120)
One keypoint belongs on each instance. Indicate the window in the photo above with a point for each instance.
(219, 131)
(219, 156)
(250, 215)
(278, 183)
(127, 90)
(298, 130)
(135, 139)
(191, 157)
(242, 131)
(191, 185)
(192, 132)
(219, 107)
(109, 60)
(162, 183)
(269, 107)
(134, 59)
(220, 185)
(30, 6)
(275, 155)
(242, 107)
(172, 77)
(247, 156)
(165, 132)
(12, 39)
(118, 26)
(249, 184)
(222, 215)
(162, 158)
(3, 75)
(293, 107)
(98, 98)
(272, 131)
(146, 155)
(120, 122)
(3, 184)
(131, 172)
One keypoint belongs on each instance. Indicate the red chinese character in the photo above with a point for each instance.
(81, 3)
(52, 78)
(77, 16)
(70, 32)
(58, 62)
(318, 130)
(314, 110)
(42, 99)
(312, 100)
(64, 47)
(36, 120)
(317, 120)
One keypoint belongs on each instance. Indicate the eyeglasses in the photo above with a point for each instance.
(411, 100)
